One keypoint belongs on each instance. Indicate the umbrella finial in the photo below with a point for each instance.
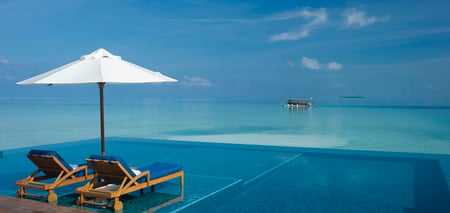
(99, 54)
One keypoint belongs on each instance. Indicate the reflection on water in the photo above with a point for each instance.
(134, 202)
(152, 202)
(300, 109)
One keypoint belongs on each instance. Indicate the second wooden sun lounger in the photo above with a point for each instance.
(53, 172)
(114, 178)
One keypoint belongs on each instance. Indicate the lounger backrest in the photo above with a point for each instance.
(112, 169)
(48, 162)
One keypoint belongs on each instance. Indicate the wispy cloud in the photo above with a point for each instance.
(358, 18)
(334, 66)
(289, 36)
(281, 16)
(4, 61)
(196, 81)
(352, 18)
(310, 63)
(315, 17)
(286, 15)
(314, 64)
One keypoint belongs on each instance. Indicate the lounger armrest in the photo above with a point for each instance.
(79, 168)
(79, 171)
(82, 164)
(135, 179)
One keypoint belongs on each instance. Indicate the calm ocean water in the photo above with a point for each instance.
(30, 122)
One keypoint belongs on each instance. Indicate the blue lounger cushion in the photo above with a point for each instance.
(157, 169)
(63, 162)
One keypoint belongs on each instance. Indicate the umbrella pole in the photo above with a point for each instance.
(101, 85)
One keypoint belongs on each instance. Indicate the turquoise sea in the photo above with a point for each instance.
(360, 126)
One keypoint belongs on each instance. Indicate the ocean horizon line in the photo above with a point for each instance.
(441, 103)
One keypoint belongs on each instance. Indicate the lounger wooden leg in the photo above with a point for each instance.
(20, 192)
(182, 180)
(118, 205)
(153, 188)
(52, 196)
(80, 200)
(142, 192)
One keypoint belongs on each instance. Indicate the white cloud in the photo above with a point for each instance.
(334, 66)
(4, 61)
(314, 64)
(285, 15)
(310, 63)
(315, 18)
(196, 81)
(289, 36)
(358, 18)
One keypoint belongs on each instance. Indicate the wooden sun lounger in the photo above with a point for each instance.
(114, 178)
(53, 172)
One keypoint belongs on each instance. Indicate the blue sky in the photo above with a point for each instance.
(382, 50)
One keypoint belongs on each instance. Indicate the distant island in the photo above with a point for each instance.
(352, 96)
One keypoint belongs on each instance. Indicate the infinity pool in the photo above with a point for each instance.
(252, 178)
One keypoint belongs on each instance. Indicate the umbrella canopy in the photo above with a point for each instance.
(99, 67)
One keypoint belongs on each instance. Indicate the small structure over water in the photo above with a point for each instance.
(298, 103)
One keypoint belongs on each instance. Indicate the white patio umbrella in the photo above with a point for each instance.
(99, 67)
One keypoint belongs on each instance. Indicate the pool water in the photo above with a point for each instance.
(254, 178)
